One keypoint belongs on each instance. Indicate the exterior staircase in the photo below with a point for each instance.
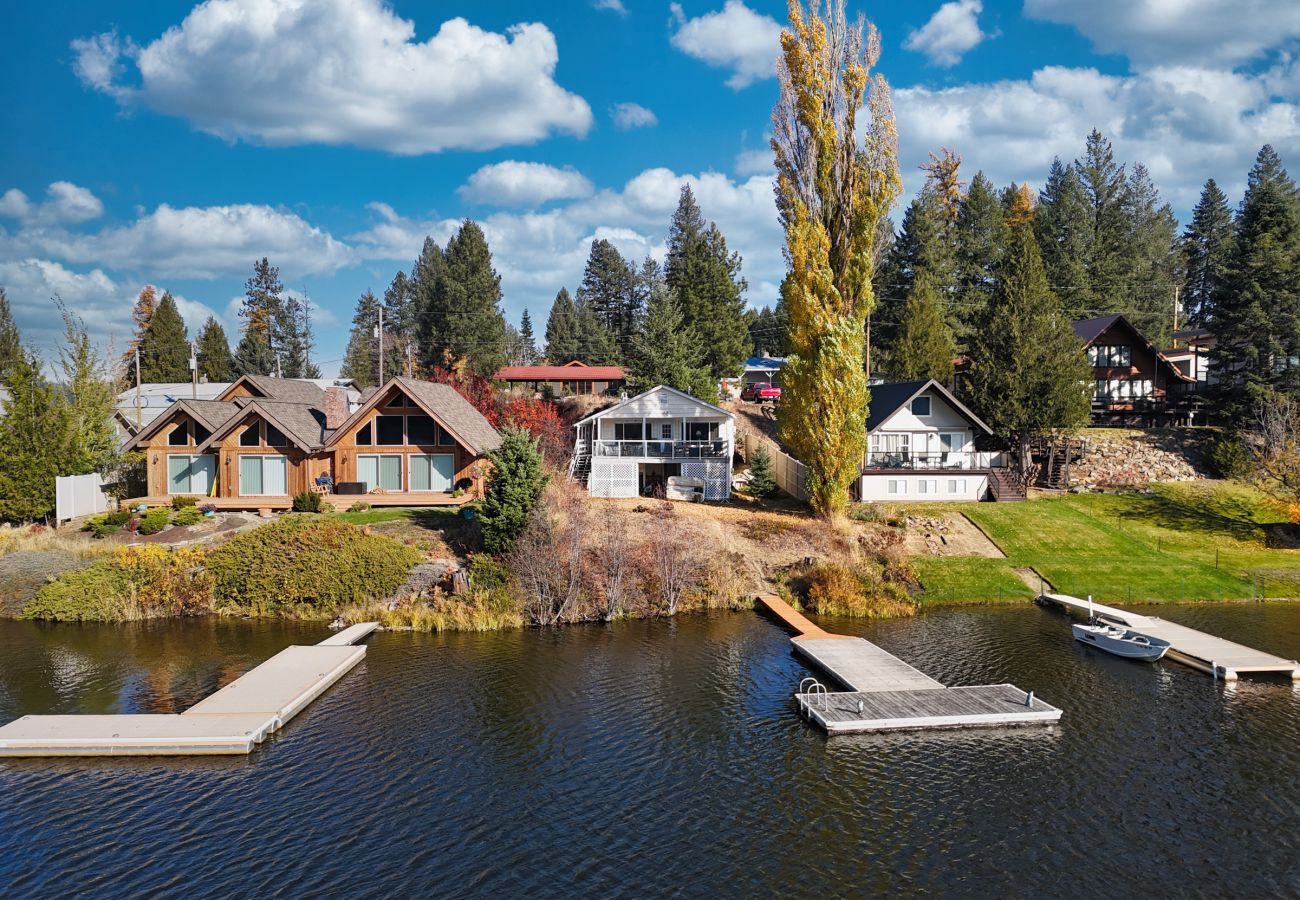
(1005, 486)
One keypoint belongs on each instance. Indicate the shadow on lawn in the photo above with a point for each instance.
(1199, 510)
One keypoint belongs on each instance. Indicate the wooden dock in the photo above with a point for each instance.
(232, 721)
(886, 694)
(1205, 652)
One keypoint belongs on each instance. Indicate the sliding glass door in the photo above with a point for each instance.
(190, 474)
(432, 472)
(380, 470)
(263, 475)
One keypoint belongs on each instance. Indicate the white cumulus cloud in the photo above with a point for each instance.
(951, 32)
(513, 183)
(286, 72)
(627, 116)
(735, 38)
(611, 6)
(64, 202)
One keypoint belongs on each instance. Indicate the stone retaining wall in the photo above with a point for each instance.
(1126, 458)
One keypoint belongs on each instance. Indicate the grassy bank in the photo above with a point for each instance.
(1205, 541)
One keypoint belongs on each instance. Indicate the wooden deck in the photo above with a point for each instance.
(339, 502)
(886, 694)
(232, 721)
(1213, 655)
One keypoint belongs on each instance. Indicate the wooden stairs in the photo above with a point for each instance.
(1005, 486)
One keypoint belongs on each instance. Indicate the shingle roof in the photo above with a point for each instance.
(303, 423)
(890, 397)
(291, 390)
(1088, 330)
(559, 373)
(460, 417)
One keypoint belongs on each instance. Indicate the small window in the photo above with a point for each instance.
(898, 485)
(628, 431)
(363, 435)
(201, 434)
(700, 431)
(388, 430)
(444, 438)
(956, 486)
(951, 441)
(928, 486)
(421, 430)
(275, 437)
(666, 431)
(180, 435)
(250, 436)
(921, 406)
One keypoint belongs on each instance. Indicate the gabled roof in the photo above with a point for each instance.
(441, 401)
(600, 414)
(574, 371)
(887, 399)
(302, 424)
(1088, 330)
(765, 363)
(291, 390)
(211, 414)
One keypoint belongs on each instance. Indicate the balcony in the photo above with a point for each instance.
(662, 449)
(954, 459)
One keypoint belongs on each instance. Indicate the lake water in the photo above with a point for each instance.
(651, 758)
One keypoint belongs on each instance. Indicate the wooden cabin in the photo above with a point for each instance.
(1130, 376)
(571, 379)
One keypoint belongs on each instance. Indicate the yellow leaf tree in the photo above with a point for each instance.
(836, 179)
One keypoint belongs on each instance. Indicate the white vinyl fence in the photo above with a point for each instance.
(79, 495)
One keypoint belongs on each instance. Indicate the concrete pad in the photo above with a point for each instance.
(282, 685)
(133, 735)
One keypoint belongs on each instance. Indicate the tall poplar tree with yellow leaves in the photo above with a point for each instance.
(834, 184)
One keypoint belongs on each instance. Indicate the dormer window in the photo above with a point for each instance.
(920, 406)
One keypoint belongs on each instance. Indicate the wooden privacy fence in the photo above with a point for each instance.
(791, 475)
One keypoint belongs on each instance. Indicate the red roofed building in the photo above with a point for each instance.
(571, 378)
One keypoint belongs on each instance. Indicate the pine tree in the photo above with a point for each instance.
(518, 479)
(11, 347)
(1149, 259)
(1257, 310)
(1028, 371)
(762, 480)
(704, 277)
(1206, 246)
(423, 282)
(253, 355)
(924, 348)
(667, 351)
(562, 330)
(359, 361)
(400, 306)
(165, 346)
(1062, 223)
(527, 340)
(293, 326)
(596, 344)
(769, 331)
(214, 359)
(609, 288)
(145, 304)
(462, 322)
(263, 306)
(31, 422)
(89, 440)
(981, 239)
(1105, 186)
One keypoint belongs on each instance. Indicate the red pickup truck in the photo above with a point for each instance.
(760, 392)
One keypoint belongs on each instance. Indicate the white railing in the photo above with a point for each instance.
(955, 459)
(662, 449)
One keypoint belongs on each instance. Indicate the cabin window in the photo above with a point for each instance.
(363, 435)
(444, 438)
(701, 431)
(421, 430)
(897, 486)
(250, 436)
(956, 485)
(927, 486)
(432, 472)
(921, 406)
(1107, 356)
(892, 441)
(388, 431)
(201, 434)
(190, 474)
(275, 437)
(666, 431)
(380, 471)
(628, 431)
(951, 441)
(180, 435)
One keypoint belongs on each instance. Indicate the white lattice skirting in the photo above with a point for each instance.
(612, 478)
(715, 475)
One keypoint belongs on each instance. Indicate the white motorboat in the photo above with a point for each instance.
(1120, 641)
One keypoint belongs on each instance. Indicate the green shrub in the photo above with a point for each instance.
(181, 501)
(189, 515)
(133, 583)
(319, 563)
(359, 506)
(517, 482)
(1230, 458)
(486, 573)
(108, 523)
(307, 502)
(154, 521)
(762, 480)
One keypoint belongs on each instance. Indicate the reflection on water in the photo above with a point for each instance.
(658, 757)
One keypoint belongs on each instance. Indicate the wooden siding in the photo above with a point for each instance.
(158, 448)
(346, 449)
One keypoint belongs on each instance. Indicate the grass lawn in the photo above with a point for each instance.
(1181, 542)
(431, 517)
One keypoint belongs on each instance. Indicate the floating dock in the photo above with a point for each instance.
(1212, 655)
(232, 721)
(886, 694)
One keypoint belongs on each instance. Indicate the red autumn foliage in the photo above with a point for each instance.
(474, 388)
(540, 419)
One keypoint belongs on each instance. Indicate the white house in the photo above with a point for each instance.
(921, 446)
(636, 446)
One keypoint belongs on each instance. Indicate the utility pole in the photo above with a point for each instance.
(137, 389)
(279, 372)
(379, 333)
(410, 361)
(1175, 307)
(194, 373)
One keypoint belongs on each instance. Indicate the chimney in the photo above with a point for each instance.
(336, 406)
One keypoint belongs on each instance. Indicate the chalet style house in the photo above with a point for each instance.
(1131, 378)
(663, 442)
(572, 378)
(921, 447)
(263, 440)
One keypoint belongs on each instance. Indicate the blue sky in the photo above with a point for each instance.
(172, 145)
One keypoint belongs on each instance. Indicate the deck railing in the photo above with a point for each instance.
(953, 459)
(662, 449)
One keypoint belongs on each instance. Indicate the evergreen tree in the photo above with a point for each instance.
(1257, 310)
(214, 352)
(518, 479)
(11, 347)
(423, 282)
(981, 238)
(360, 359)
(263, 306)
(1149, 257)
(253, 355)
(705, 280)
(145, 304)
(1106, 189)
(562, 330)
(596, 344)
(400, 307)
(527, 340)
(165, 345)
(609, 288)
(293, 326)
(1206, 245)
(924, 348)
(89, 440)
(769, 331)
(667, 351)
(462, 323)
(1028, 370)
(30, 416)
(1062, 223)
(762, 480)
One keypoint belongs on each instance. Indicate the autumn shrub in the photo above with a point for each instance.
(141, 582)
(107, 524)
(309, 565)
(542, 420)
(856, 589)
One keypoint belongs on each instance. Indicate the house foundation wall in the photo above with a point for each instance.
(907, 487)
